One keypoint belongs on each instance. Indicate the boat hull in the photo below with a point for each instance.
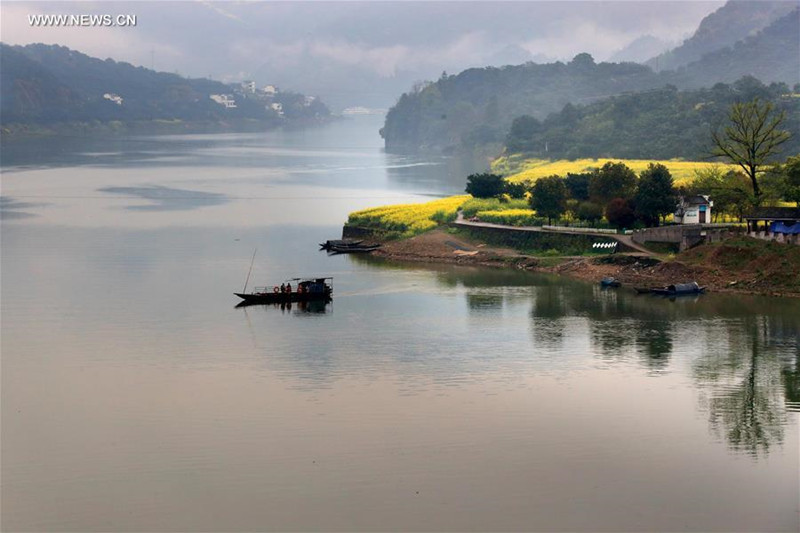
(282, 297)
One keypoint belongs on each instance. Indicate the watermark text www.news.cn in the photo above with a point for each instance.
(82, 21)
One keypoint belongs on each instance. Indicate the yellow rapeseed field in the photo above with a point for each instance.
(406, 220)
(511, 217)
(516, 168)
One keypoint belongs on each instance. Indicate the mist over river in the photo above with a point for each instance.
(136, 397)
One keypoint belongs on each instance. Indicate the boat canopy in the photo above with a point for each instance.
(684, 287)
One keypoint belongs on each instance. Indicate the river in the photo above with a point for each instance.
(136, 397)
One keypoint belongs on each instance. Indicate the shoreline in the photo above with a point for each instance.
(442, 247)
(92, 128)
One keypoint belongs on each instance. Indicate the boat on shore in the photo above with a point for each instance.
(305, 290)
(339, 242)
(348, 246)
(676, 289)
(610, 282)
(359, 249)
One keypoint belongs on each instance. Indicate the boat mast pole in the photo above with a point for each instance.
(249, 271)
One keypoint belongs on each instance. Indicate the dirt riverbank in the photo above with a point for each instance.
(739, 265)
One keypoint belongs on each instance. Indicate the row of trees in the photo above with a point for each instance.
(733, 193)
(751, 139)
(613, 191)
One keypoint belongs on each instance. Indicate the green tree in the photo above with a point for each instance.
(791, 169)
(612, 180)
(523, 133)
(655, 194)
(485, 185)
(751, 138)
(549, 197)
(578, 185)
(515, 190)
(589, 212)
(620, 213)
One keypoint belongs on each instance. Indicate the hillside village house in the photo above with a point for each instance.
(693, 210)
(225, 100)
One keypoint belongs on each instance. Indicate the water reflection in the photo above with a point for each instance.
(741, 378)
(296, 308)
(438, 173)
(168, 198)
(654, 341)
(11, 209)
(748, 371)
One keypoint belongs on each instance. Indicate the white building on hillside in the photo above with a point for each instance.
(225, 100)
(117, 99)
(693, 210)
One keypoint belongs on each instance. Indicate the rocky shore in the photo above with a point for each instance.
(738, 266)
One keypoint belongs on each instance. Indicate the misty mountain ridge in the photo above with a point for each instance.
(734, 21)
(477, 106)
(641, 49)
(49, 83)
(771, 55)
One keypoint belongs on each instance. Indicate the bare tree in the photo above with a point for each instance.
(751, 138)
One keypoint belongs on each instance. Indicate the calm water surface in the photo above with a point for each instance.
(135, 397)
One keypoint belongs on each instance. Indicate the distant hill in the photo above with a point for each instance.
(640, 50)
(477, 106)
(771, 55)
(734, 21)
(659, 124)
(44, 84)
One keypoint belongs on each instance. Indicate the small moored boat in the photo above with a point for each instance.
(610, 282)
(338, 242)
(353, 249)
(679, 289)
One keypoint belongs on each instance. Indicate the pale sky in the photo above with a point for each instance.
(335, 48)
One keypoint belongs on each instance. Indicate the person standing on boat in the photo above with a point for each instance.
(283, 288)
(289, 288)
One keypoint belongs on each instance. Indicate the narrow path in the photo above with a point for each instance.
(624, 239)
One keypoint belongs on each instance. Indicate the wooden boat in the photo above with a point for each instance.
(305, 290)
(610, 282)
(340, 242)
(353, 249)
(679, 289)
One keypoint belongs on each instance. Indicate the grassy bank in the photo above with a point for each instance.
(534, 243)
(749, 263)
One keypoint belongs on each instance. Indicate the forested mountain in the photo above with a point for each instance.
(47, 83)
(477, 106)
(734, 21)
(771, 55)
(660, 124)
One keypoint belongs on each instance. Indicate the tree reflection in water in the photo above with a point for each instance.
(747, 370)
(744, 385)
(745, 351)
